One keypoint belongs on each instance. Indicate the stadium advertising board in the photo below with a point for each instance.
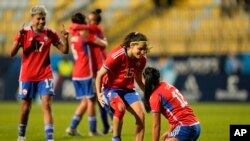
(205, 79)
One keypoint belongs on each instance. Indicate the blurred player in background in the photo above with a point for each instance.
(163, 98)
(98, 56)
(83, 73)
(122, 67)
(36, 74)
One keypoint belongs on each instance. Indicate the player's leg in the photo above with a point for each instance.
(103, 114)
(104, 118)
(81, 90)
(46, 101)
(26, 92)
(118, 107)
(46, 92)
(92, 116)
(77, 117)
(91, 109)
(23, 118)
(137, 109)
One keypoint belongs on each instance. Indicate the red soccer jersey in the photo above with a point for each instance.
(121, 69)
(82, 57)
(36, 54)
(98, 53)
(166, 99)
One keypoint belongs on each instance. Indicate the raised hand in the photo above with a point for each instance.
(64, 33)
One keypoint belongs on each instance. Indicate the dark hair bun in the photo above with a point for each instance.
(98, 11)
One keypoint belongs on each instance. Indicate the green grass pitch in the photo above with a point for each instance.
(215, 119)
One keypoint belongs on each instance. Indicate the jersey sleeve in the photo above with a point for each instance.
(155, 103)
(109, 63)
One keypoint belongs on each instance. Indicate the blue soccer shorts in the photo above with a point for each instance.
(128, 96)
(84, 88)
(189, 133)
(28, 90)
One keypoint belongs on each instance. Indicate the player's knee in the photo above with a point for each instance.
(119, 108)
(140, 119)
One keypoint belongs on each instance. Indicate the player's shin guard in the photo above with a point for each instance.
(49, 131)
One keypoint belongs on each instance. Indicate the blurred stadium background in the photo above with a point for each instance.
(200, 46)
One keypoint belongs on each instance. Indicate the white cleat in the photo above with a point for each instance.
(72, 132)
(20, 138)
(94, 134)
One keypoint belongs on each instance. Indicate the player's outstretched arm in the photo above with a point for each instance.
(156, 126)
(16, 44)
(14, 49)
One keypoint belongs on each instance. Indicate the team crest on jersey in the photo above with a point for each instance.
(24, 91)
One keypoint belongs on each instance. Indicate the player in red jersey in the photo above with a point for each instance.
(83, 73)
(163, 98)
(98, 56)
(99, 52)
(123, 66)
(36, 74)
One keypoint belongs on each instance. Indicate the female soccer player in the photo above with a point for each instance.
(98, 56)
(124, 65)
(36, 74)
(83, 73)
(163, 98)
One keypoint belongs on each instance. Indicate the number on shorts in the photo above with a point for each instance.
(48, 83)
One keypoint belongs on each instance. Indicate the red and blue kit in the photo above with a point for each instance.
(98, 53)
(82, 58)
(121, 69)
(36, 53)
(166, 99)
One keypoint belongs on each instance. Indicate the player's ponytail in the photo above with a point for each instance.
(98, 17)
(152, 80)
(98, 11)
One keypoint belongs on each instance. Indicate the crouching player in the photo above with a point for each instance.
(163, 98)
